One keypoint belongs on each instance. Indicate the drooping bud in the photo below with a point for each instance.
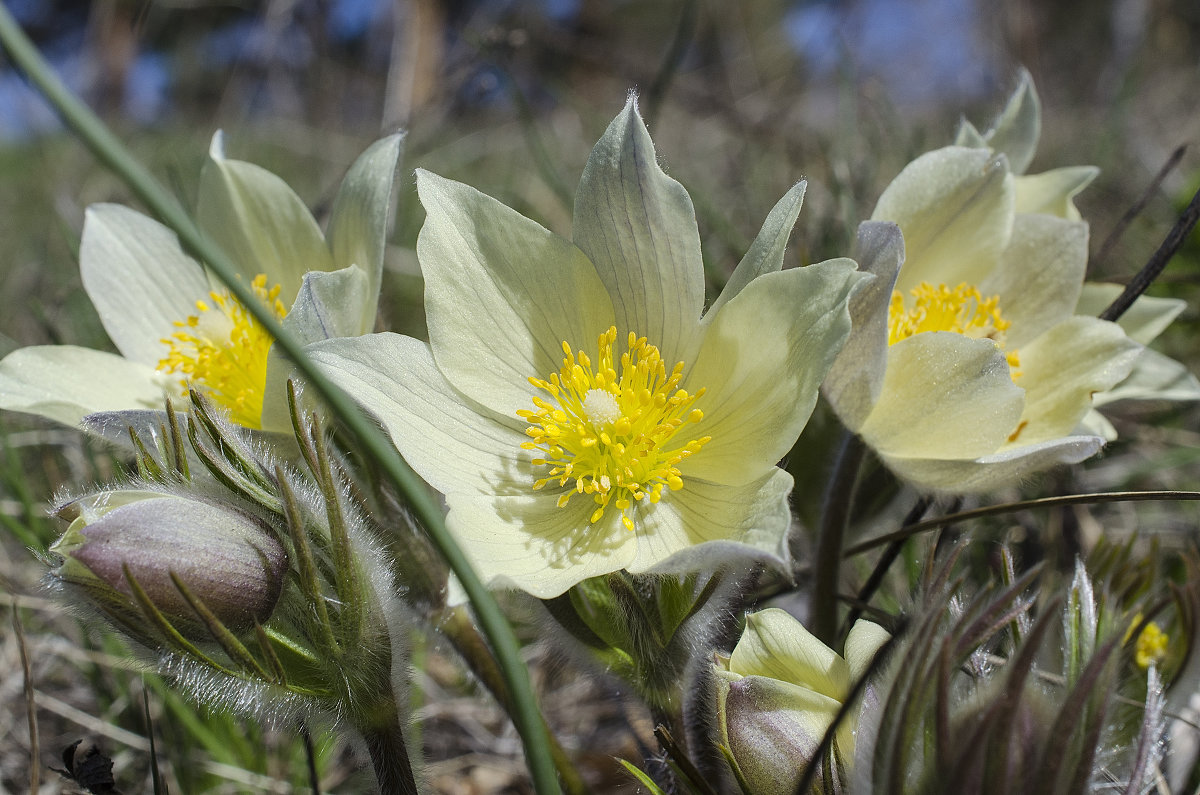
(226, 559)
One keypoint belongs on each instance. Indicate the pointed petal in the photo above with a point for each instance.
(454, 445)
(64, 383)
(639, 228)
(1016, 130)
(762, 362)
(704, 526)
(854, 381)
(260, 223)
(1153, 377)
(1063, 368)
(968, 135)
(777, 646)
(1148, 317)
(358, 222)
(1052, 192)
(138, 278)
(1040, 275)
(944, 396)
(766, 252)
(329, 305)
(866, 638)
(1006, 468)
(501, 295)
(1096, 424)
(955, 208)
(528, 542)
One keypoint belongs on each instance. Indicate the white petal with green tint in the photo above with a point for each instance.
(454, 446)
(944, 396)
(863, 642)
(138, 278)
(329, 305)
(1063, 368)
(638, 227)
(777, 646)
(1039, 276)
(1006, 468)
(259, 222)
(65, 383)
(955, 207)
(1153, 377)
(1052, 192)
(501, 295)
(762, 385)
(1017, 129)
(1143, 321)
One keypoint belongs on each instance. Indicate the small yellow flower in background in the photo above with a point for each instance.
(1152, 643)
(780, 690)
(577, 407)
(176, 327)
(973, 362)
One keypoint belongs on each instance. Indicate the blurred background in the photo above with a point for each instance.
(742, 98)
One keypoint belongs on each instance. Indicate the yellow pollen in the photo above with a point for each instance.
(222, 351)
(962, 310)
(612, 436)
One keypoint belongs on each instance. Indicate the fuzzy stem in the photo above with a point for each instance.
(831, 534)
(389, 758)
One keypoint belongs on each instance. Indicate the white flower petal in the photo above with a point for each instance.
(328, 305)
(454, 445)
(638, 227)
(1153, 377)
(1016, 130)
(863, 642)
(987, 473)
(1051, 192)
(1097, 424)
(501, 295)
(762, 362)
(943, 396)
(64, 383)
(138, 278)
(1144, 320)
(777, 646)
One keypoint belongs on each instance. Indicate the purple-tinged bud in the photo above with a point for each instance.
(226, 558)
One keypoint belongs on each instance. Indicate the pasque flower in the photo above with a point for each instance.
(576, 407)
(176, 326)
(968, 367)
(779, 692)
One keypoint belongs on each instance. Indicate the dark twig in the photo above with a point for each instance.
(1133, 212)
(670, 65)
(831, 534)
(30, 704)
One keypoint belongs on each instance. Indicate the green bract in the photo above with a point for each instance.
(548, 405)
(159, 306)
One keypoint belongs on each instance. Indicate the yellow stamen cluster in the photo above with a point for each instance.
(1151, 646)
(612, 434)
(222, 351)
(960, 309)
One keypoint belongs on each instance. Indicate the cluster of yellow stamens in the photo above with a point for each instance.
(960, 309)
(612, 433)
(222, 351)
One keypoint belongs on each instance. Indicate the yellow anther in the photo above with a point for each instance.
(961, 310)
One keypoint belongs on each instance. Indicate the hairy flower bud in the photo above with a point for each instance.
(225, 558)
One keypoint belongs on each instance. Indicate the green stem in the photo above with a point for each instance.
(831, 534)
(375, 447)
(389, 758)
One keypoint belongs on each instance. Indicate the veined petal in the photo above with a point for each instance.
(259, 222)
(762, 387)
(1145, 319)
(1040, 275)
(501, 295)
(854, 381)
(65, 383)
(765, 254)
(944, 396)
(863, 642)
(528, 542)
(638, 227)
(1153, 377)
(1061, 370)
(704, 526)
(777, 646)
(454, 445)
(1004, 468)
(358, 222)
(138, 278)
(1052, 192)
(955, 207)
(329, 304)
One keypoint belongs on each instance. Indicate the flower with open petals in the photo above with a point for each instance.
(576, 409)
(176, 326)
(968, 367)
(780, 690)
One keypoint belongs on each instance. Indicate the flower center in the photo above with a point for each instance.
(222, 350)
(614, 435)
(960, 309)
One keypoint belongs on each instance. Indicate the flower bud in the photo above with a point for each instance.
(224, 557)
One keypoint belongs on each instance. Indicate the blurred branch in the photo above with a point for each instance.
(1133, 212)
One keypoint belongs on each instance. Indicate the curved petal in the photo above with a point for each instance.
(1040, 275)
(528, 542)
(955, 208)
(762, 361)
(705, 526)
(1063, 368)
(358, 222)
(501, 295)
(1052, 192)
(65, 383)
(1144, 320)
(638, 227)
(1006, 468)
(854, 381)
(777, 646)
(944, 396)
(1016, 130)
(259, 222)
(455, 446)
(138, 278)
(1153, 377)
(329, 305)
(865, 639)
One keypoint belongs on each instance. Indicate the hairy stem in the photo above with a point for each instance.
(831, 534)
